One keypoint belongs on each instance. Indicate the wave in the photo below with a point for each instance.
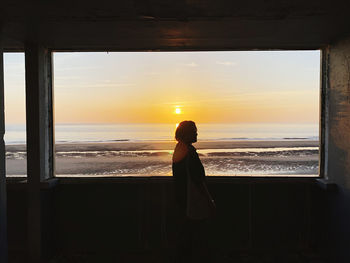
(310, 138)
(81, 154)
(237, 152)
(264, 154)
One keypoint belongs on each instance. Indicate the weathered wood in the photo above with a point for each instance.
(3, 199)
(174, 25)
(39, 114)
(40, 157)
(324, 114)
(338, 114)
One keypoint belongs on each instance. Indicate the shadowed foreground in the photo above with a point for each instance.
(134, 220)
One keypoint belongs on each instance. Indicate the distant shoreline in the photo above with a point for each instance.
(169, 145)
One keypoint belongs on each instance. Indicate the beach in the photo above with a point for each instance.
(288, 157)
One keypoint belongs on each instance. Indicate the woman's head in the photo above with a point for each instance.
(186, 132)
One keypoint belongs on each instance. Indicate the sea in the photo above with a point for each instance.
(73, 133)
(294, 160)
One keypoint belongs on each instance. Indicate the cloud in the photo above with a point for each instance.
(152, 73)
(62, 78)
(226, 63)
(15, 66)
(97, 85)
(312, 69)
(65, 68)
(192, 64)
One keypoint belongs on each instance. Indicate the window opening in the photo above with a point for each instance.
(257, 112)
(15, 115)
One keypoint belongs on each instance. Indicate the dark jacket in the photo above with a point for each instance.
(186, 157)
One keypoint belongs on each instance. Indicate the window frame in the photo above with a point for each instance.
(323, 126)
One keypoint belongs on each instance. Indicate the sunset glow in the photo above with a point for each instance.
(124, 107)
(213, 87)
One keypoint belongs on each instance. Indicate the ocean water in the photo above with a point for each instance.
(292, 160)
(70, 133)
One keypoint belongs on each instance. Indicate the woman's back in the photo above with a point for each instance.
(180, 174)
(186, 163)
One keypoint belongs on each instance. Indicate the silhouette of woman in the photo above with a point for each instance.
(195, 204)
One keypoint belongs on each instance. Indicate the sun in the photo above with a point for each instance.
(177, 111)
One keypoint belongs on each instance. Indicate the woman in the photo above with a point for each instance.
(193, 198)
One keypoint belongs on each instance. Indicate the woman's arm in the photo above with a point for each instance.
(206, 192)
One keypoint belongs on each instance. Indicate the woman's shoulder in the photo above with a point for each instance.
(180, 152)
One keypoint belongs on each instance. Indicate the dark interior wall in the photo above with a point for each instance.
(338, 166)
(134, 216)
(337, 226)
(17, 216)
(104, 216)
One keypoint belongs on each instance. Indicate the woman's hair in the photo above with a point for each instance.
(184, 132)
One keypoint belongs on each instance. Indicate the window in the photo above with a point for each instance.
(257, 112)
(15, 118)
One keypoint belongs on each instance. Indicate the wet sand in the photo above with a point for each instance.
(146, 158)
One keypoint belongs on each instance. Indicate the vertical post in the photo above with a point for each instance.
(40, 158)
(3, 202)
(324, 114)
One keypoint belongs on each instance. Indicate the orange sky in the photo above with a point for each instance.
(146, 87)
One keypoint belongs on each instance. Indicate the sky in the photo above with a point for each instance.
(168, 87)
